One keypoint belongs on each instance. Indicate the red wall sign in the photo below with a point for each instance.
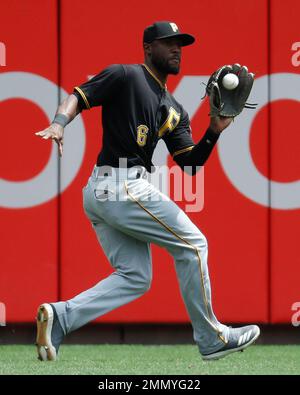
(251, 211)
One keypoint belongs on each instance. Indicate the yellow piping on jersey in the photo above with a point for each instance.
(80, 91)
(154, 76)
(191, 245)
(183, 150)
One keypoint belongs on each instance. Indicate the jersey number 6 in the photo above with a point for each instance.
(142, 131)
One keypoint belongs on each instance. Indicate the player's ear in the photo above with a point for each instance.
(147, 49)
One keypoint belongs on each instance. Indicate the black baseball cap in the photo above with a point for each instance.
(164, 29)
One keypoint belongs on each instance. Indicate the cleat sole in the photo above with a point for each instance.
(45, 350)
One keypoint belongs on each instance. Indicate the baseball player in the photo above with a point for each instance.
(126, 211)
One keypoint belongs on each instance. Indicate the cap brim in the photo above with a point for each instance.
(186, 39)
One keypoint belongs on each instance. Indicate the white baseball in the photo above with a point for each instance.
(230, 81)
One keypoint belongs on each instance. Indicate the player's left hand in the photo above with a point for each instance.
(218, 124)
(230, 101)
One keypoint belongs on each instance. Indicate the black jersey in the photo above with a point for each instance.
(137, 111)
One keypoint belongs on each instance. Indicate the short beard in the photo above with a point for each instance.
(164, 67)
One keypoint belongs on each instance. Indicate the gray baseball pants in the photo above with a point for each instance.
(128, 213)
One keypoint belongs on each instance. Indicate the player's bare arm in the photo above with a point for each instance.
(65, 113)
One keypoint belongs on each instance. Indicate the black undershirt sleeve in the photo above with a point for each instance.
(188, 155)
(199, 154)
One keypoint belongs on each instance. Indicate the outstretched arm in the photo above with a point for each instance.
(198, 154)
(188, 155)
(65, 113)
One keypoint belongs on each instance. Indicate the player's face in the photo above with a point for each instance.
(166, 55)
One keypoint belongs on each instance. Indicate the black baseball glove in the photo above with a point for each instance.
(225, 102)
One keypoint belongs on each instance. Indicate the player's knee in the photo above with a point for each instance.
(190, 251)
(202, 242)
(144, 284)
(142, 281)
(139, 281)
